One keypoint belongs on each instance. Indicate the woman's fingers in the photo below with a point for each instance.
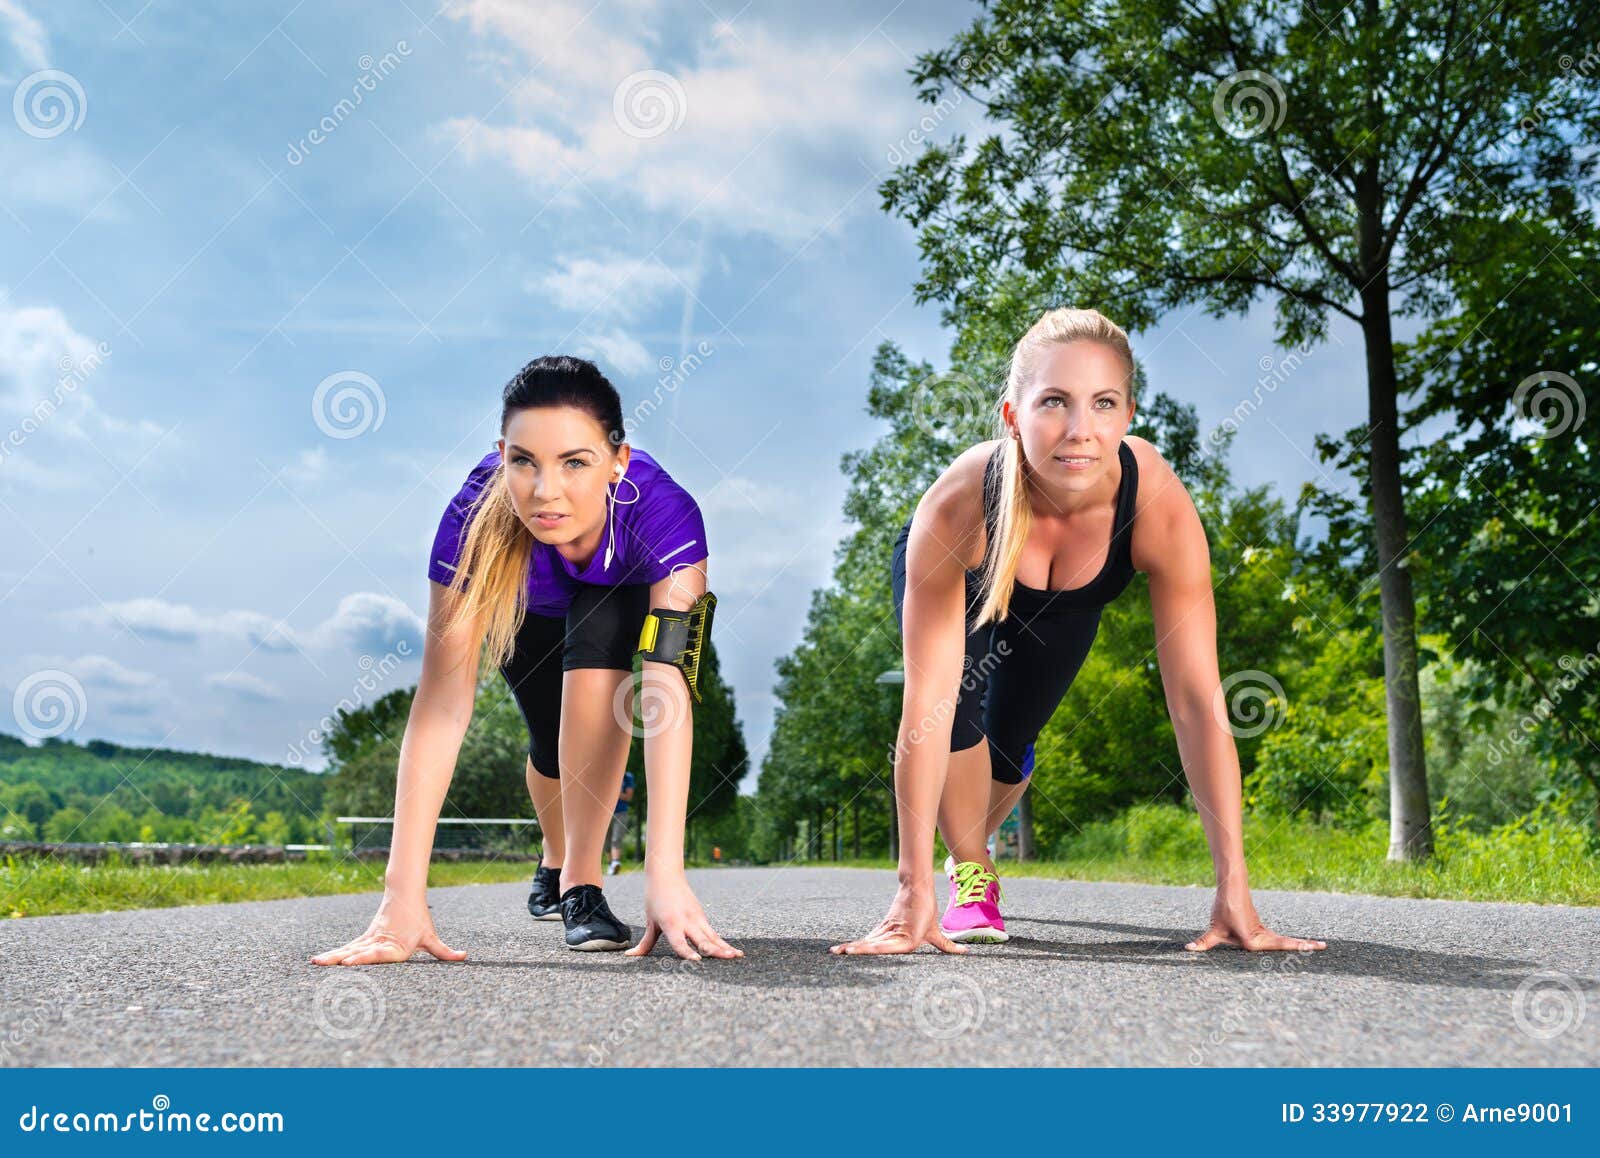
(646, 943)
(709, 942)
(943, 943)
(1212, 936)
(871, 946)
(680, 944)
(442, 951)
(1266, 939)
(337, 956)
(377, 954)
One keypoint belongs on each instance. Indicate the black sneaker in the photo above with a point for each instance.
(590, 921)
(544, 902)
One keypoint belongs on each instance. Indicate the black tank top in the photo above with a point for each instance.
(1118, 570)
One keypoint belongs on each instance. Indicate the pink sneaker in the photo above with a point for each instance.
(973, 914)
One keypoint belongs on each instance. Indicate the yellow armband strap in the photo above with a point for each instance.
(679, 638)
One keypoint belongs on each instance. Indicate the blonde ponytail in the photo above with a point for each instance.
(1014, 513)
(491, 578)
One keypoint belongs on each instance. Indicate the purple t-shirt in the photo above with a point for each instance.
(662, 529)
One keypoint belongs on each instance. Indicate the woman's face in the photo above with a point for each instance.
(558, 462)
(1073, 415)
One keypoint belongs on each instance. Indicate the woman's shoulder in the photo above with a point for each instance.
(1162, 505)
(953, 506)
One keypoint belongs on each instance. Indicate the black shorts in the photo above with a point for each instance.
(601, 630)
(1014, 673)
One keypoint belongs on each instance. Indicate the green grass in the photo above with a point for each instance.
(1543, 858)
(38, 887)
(1546, 857)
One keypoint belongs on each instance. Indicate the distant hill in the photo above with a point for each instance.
(103, 791)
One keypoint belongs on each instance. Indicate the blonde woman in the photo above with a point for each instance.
(999, 579)
(561, 546)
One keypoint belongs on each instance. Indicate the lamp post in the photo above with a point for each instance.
(892, 678)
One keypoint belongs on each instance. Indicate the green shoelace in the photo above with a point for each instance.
(972, 882)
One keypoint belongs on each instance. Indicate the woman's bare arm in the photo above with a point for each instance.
(671, 908)
(1183, 606)
(946, 537)
(440, 713)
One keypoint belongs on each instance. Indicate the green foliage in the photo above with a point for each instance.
(99, 791)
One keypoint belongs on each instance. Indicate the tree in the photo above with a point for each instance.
(1158, 154)
(1507, 492)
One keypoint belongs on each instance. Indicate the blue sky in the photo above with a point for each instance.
(216, 551)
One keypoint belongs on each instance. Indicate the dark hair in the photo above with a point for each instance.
(562, 380)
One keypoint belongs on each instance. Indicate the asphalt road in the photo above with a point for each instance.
(1095, 975)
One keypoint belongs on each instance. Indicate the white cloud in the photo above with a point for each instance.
(779, 135)
(180, 623)
(46, 369)
(364, 622)
(108, 688)
(308, 468)
(614, 350)
(608, 284)
(245, 685)
(29, 43)
(372, 624)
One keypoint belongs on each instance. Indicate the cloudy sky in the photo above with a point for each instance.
(264, 269)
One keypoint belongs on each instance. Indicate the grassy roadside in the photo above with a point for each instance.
(1543, 858)
(47, 887)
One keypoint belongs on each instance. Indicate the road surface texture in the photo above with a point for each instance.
(1095, 974)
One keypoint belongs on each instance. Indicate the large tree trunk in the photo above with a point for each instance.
(1410, 826)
